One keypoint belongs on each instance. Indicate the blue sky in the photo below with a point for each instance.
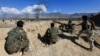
(64, 6)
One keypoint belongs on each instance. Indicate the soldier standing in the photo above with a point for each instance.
(87, 28)
(17, 40)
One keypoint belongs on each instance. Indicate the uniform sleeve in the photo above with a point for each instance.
(23, 36)
(93, 25)
(47, 32)
(11, 31)
(79, 24)
(11, 35)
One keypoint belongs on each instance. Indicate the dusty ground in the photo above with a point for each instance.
(66, 46)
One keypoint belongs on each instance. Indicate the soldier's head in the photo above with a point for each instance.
(20, 24)
(52, 25)
(84, 18)
(69, 21)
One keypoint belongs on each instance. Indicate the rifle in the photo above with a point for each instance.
(59, 22)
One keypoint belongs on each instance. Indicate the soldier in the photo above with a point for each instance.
(87, 28)
(69, 26)
(17, 40)
(93, 23)
(52, 34)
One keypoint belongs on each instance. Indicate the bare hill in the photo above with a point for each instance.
(66, 46)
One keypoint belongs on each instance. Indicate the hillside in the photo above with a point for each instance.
(66, 46)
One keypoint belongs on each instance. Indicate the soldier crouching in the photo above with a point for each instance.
(16, 40)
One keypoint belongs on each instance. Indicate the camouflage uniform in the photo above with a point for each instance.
(52, 35)
(90, 35)
(89, 32)
(70, 27)
(16, 41)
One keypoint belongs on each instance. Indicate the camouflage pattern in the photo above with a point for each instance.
(90, 35)
(70, 27)
(16, 41)
(53, 35)
(67, 27)
(87, 28)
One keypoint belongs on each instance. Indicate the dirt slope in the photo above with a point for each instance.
(66, 46)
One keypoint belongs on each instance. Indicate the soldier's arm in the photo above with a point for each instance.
(78, 24)
(93, 24)
(24, 36)
(11, 33)
(73, 24)
(48, 32)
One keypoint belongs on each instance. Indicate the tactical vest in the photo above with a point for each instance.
(87, 25)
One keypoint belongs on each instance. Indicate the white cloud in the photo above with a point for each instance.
(43, 7)
(31, 9)
(8, 10)
(27, 9)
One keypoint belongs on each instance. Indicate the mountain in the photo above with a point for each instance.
(46, 15)
(81, 14)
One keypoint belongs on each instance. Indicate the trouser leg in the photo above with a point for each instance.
(80, 32)
(25, 47)
(91, 40)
